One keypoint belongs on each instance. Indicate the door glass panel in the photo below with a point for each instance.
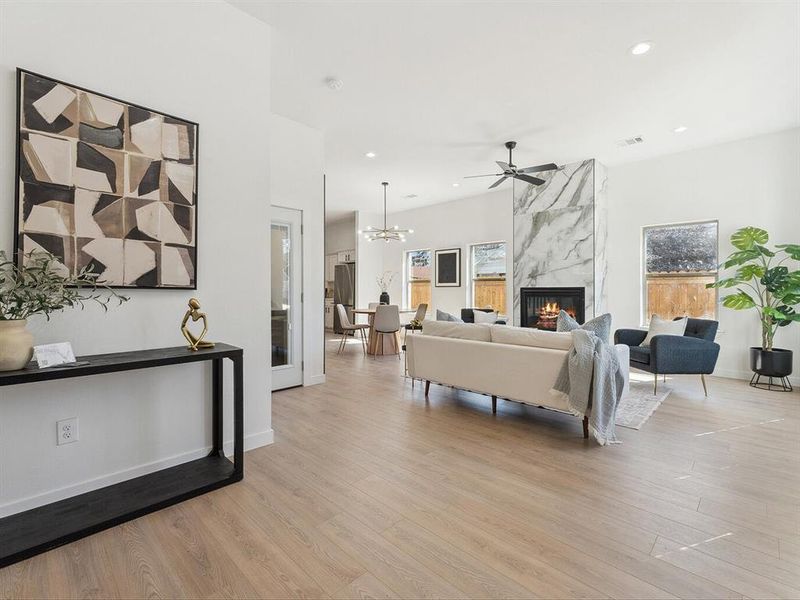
(281, 295)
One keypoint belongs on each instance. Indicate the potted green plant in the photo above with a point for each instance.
(40, 285)
(769, 282)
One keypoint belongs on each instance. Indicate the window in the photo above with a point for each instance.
(488, 270)
(417, 278)
(679, 260)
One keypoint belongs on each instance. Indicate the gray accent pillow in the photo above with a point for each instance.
(600, 326)
(444, 316)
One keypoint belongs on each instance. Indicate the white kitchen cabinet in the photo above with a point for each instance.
(329, 308)
(346, 256)
(331, 260)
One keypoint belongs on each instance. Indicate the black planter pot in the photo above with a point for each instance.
(773, 364)
(384, 299)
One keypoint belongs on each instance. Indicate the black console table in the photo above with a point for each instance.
(40, 529)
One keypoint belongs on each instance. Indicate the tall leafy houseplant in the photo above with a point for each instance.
(40, 285)
(763, 280)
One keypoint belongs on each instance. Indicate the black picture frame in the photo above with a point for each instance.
(447, 266)
(20, 73)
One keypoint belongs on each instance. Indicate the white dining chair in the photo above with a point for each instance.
(387, 322)
(348, 327)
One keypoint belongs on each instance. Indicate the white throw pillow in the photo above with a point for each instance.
(659, 326)
(488, 318)
(463, 331)
(526, 336)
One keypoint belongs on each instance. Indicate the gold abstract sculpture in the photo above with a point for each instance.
(195, 314)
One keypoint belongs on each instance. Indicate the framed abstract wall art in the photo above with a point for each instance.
(106, 183)
(448, 267)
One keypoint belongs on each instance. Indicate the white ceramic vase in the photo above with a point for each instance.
(16, 345)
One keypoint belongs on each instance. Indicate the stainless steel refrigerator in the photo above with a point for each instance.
(344, 292)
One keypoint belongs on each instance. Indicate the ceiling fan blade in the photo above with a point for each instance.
(504, 166)
(533, 180)
(499, 181)
(540, 168)
(490, 175)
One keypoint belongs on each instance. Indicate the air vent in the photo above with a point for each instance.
(409, 196)
(631, 141)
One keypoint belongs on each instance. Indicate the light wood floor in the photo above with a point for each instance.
(370, 491)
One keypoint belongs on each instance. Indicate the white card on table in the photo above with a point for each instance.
(51, 355)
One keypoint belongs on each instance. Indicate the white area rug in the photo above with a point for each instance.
(639, 404)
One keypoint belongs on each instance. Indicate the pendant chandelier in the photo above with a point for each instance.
(386, 234)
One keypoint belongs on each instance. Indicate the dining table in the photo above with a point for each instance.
(378, 345)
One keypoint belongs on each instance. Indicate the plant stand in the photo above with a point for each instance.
(784, 385)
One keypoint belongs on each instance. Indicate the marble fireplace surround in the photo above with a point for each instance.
(560, 233)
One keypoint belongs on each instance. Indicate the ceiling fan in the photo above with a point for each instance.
(511, 170)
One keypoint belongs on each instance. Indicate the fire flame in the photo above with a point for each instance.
(550, 308)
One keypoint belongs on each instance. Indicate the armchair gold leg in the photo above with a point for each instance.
(705, 387)
(655, 384)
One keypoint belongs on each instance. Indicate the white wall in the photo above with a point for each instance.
(340, 235)
(748, 182)
(208, 62)
(456, 224)
(369, 260)
(299, 185)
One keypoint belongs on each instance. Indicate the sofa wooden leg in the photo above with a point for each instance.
(705, 387)
(585, 427)
(494, 405)
(427, 387)
(655, 384)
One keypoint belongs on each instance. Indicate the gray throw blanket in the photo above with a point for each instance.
(592, 382)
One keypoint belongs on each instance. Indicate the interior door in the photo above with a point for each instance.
(287, 290)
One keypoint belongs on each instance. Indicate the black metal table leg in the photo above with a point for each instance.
(217, 405)
(238, 416)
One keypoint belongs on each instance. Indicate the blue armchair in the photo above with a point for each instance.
(693, 353)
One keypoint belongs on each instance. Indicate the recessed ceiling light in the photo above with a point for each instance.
(641, 48)
(456, 184)
(680, 129)
(370, 155)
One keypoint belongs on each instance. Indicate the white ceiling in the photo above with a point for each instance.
(435, 88)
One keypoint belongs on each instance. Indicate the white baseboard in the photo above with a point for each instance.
(314, 380)
(254, 440)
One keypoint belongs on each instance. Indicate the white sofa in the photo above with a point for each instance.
(515, 363)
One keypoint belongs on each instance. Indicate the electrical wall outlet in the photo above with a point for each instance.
(67, 431)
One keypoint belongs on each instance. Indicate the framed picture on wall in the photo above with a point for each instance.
(105, 183)
(448, 267)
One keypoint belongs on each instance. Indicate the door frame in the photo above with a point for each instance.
(293, 217)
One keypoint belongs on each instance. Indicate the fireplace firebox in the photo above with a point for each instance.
(539, 306)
